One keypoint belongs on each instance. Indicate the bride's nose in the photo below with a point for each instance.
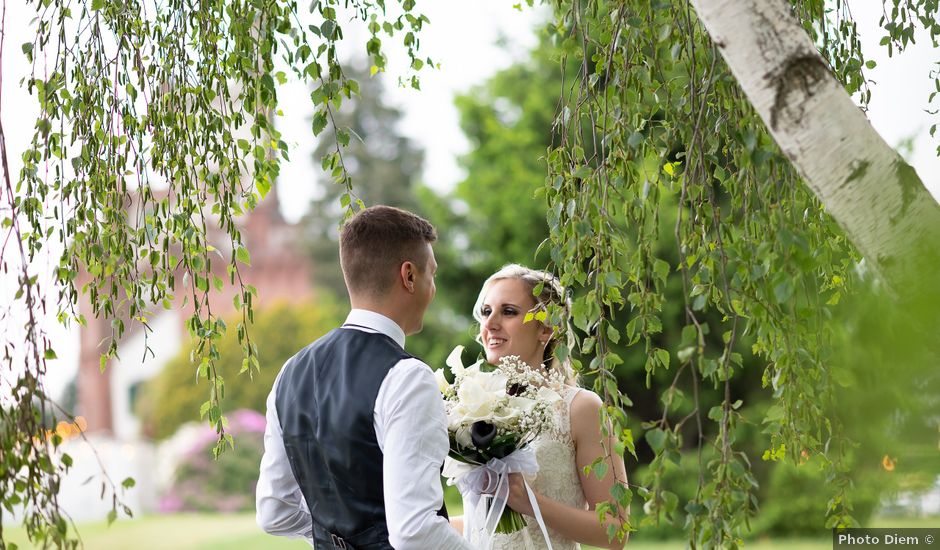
(491, 322)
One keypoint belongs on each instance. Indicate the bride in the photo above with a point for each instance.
(566, 496)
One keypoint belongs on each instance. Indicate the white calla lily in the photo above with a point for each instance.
(454, 362)
(442, 384)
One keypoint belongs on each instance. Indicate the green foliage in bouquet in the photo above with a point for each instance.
(501, 447)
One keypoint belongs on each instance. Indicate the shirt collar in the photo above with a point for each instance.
(378, 323)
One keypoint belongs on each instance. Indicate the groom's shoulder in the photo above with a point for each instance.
(412, 370)
(323, 347)
(318, 343)
(412, 364)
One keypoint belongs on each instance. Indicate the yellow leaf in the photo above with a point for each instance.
(373, 69)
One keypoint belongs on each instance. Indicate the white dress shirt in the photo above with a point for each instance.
(411, 429)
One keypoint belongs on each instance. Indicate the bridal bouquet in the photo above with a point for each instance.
(493, 413)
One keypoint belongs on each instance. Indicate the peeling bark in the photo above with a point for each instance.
(800, 73)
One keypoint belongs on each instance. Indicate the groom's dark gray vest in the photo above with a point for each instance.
(325, 403)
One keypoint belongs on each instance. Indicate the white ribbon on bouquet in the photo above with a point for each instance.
(486, 487)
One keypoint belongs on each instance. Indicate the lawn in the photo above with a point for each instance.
(239, 532)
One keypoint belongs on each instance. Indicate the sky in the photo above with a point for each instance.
(465, 39)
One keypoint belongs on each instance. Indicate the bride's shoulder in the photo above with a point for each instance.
(585, 403)
(584, 398)
(584, 413)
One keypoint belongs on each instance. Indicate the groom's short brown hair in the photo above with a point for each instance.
(376, 241)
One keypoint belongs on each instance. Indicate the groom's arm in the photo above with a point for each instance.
(411, 429)
(279, 505)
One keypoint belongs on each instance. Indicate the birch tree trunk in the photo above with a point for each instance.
(875, 196)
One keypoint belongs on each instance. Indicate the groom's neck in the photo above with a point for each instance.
(388, 307)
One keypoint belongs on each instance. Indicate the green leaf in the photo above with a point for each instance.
(622, 495)
(49, 354)
(774, 414)
(241, 254)
(319, 123)
(657, 439)
(264, 186)
(663, 357)
(583, 172)
(613, 334)
(661, 269)
(783, 291)
(600, 470)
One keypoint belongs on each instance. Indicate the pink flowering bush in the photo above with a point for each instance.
(201, 484)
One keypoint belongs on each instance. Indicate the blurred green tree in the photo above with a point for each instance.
(282, 329)
(385, 165)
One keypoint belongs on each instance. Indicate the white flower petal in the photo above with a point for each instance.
(548, 394)
(442, 384)
(454, 362)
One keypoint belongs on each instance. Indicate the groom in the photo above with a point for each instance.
(356, 432)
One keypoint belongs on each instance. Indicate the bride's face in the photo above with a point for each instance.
(503, 329)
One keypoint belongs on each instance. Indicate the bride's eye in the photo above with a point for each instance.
(485, 311)
(509, 311)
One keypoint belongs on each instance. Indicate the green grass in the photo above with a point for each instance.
(182, 532)
(239, 532)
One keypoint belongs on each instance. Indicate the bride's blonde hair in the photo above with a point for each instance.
(552, 293)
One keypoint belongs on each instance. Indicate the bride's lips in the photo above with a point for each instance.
(493, 343)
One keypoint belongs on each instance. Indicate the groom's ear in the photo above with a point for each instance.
(407, 275)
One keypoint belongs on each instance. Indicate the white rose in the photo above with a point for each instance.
(522, 404)
(504, 416)
(462, 435)
(456, 417)
(548, 395)
(480, 394)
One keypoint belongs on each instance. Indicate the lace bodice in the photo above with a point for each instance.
(557, 479)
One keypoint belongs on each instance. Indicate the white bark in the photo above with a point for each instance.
(872, 193)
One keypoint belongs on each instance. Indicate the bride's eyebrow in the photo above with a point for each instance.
(505, 304)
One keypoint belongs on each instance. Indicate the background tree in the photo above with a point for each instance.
(876, 197)
(386, 166)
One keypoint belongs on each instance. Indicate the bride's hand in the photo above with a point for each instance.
(518, 498)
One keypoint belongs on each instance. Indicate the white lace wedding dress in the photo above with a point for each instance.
(557, 479)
